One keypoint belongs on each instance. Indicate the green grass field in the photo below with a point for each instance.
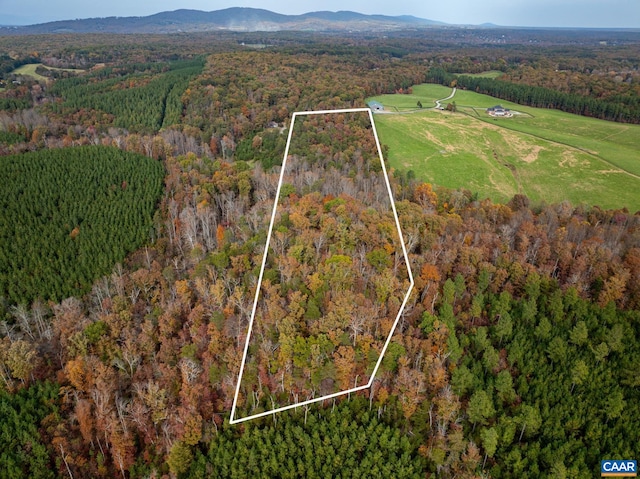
(489, 74)
(30, 70)
(423, 93)
(548, 155)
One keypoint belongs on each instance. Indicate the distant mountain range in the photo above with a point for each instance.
(230, 19)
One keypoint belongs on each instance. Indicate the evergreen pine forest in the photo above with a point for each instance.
(135, 203)
(70, 214)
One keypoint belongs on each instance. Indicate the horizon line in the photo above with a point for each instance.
(12, 19)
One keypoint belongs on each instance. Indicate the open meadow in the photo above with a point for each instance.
(548, 155)
(30, 70)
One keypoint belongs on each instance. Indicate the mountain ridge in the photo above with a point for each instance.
(242, 19)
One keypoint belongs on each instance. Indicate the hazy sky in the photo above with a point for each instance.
(554, 13)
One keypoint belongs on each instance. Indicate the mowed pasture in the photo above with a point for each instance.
(426, 94)
(548, 155)
(489, 74)
(30, 70)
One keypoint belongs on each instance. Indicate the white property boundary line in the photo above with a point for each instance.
(264, 261)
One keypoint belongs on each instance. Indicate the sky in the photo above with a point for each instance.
(536, 13)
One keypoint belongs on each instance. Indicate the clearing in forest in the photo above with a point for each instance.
(335, 276)
(30, 71)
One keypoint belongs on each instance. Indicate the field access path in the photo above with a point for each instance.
(437, 106)
(437, 102)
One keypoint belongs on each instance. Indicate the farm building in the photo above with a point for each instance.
(498, 110)
(374, 106)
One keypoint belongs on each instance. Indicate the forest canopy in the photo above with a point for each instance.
(145, 100)
(516, 354)
(68, 215)
(347, 441)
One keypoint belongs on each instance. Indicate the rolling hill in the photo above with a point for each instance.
(230, 19)
(547, 155)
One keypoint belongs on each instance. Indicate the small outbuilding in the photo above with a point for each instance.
(375, 106)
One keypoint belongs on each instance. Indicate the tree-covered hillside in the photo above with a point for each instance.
(68, 215)
(141, 102)
(348, 441)
(516, 353)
